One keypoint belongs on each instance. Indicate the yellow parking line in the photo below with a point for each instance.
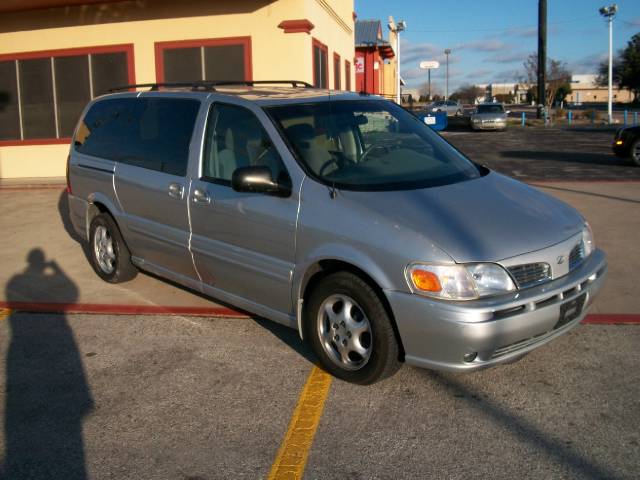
(4, 313)
(292, 455)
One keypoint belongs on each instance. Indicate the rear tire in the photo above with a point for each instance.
(350, 331)
(110, 257)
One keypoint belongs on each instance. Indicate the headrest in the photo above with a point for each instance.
(300, 132)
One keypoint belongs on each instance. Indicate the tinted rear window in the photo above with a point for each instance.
(151, 133)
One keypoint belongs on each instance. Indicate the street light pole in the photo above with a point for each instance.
(447, 51)
(397, 28)
(608, 13)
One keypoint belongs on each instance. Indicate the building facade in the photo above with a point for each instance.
(585, 89)
(375, 63)
(56, 55)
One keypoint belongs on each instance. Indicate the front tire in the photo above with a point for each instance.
(110, 257)
(350, 331)
(634, 152)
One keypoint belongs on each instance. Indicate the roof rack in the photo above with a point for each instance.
(207, 85)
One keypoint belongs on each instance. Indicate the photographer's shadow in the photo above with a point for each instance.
(47, 395)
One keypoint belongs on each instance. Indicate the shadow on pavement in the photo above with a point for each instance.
(47, 395)
(290, 337)
(63, 211)
(582, 192)
(583, 466)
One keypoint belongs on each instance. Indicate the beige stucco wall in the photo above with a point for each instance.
(598, 95)
(275, 55)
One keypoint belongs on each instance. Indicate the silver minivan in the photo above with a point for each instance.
(338, 214)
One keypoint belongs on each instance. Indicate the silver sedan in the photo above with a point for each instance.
(489, 116)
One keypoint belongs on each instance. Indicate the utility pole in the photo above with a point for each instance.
(542, 56)
(608, 13)
(447, 51)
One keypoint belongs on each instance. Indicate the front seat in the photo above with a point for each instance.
(304, 138)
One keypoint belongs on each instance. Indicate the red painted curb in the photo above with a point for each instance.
(592, 319)
(612, 319)
(122, 309)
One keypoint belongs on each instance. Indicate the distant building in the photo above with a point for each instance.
(375, 63)
(585, 89)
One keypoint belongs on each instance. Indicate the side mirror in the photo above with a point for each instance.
(257, 179)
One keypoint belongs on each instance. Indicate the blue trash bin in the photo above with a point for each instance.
(436, 120)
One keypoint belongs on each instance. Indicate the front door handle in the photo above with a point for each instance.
(176, 190)
(201, 197)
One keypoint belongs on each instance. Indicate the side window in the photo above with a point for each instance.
(235, 138)
(103, 130)
(151, 133)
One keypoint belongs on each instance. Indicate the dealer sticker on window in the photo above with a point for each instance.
(430, 120)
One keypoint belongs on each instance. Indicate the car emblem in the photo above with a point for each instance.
(560, 259)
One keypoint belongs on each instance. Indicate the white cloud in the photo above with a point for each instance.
(507, 57)
(483, 45)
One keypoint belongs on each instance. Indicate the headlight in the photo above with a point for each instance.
(589, 244)
(459, 282)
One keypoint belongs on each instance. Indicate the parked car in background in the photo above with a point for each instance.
(489, 116)
(626, 144)
(452, 108)
(341, 215)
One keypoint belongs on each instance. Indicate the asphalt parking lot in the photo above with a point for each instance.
(532, 154)
(188, 389)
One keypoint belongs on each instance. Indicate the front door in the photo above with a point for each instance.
(243, 244)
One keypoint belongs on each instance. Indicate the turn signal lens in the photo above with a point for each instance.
(425, 281)
(459, 281)
(619, 142)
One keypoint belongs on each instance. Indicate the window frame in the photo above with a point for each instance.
(126, 48)
(337, 74)
(347, 75)
(220, 181)
(315, 43)
(160, 47)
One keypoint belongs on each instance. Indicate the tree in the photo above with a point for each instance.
(558, 77)
(505, 97)
(467, 93)
(626, 68)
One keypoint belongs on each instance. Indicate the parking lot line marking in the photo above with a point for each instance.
(123, 309)
(294, 450)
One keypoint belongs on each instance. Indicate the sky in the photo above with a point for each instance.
(490, 39)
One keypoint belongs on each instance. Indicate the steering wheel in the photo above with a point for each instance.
(371, 148)
(338, 158)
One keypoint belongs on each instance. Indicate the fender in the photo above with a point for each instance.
(336, 252)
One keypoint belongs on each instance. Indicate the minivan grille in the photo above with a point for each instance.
(576, 256)
(529, 274)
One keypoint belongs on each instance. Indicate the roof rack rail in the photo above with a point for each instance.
(209, 85)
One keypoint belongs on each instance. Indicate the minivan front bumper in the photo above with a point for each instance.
(438, 334)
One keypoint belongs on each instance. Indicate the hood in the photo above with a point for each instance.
(487, 219)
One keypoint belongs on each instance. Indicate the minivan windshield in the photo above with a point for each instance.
(369, 145)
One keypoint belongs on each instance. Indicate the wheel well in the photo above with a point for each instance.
(326, 267)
